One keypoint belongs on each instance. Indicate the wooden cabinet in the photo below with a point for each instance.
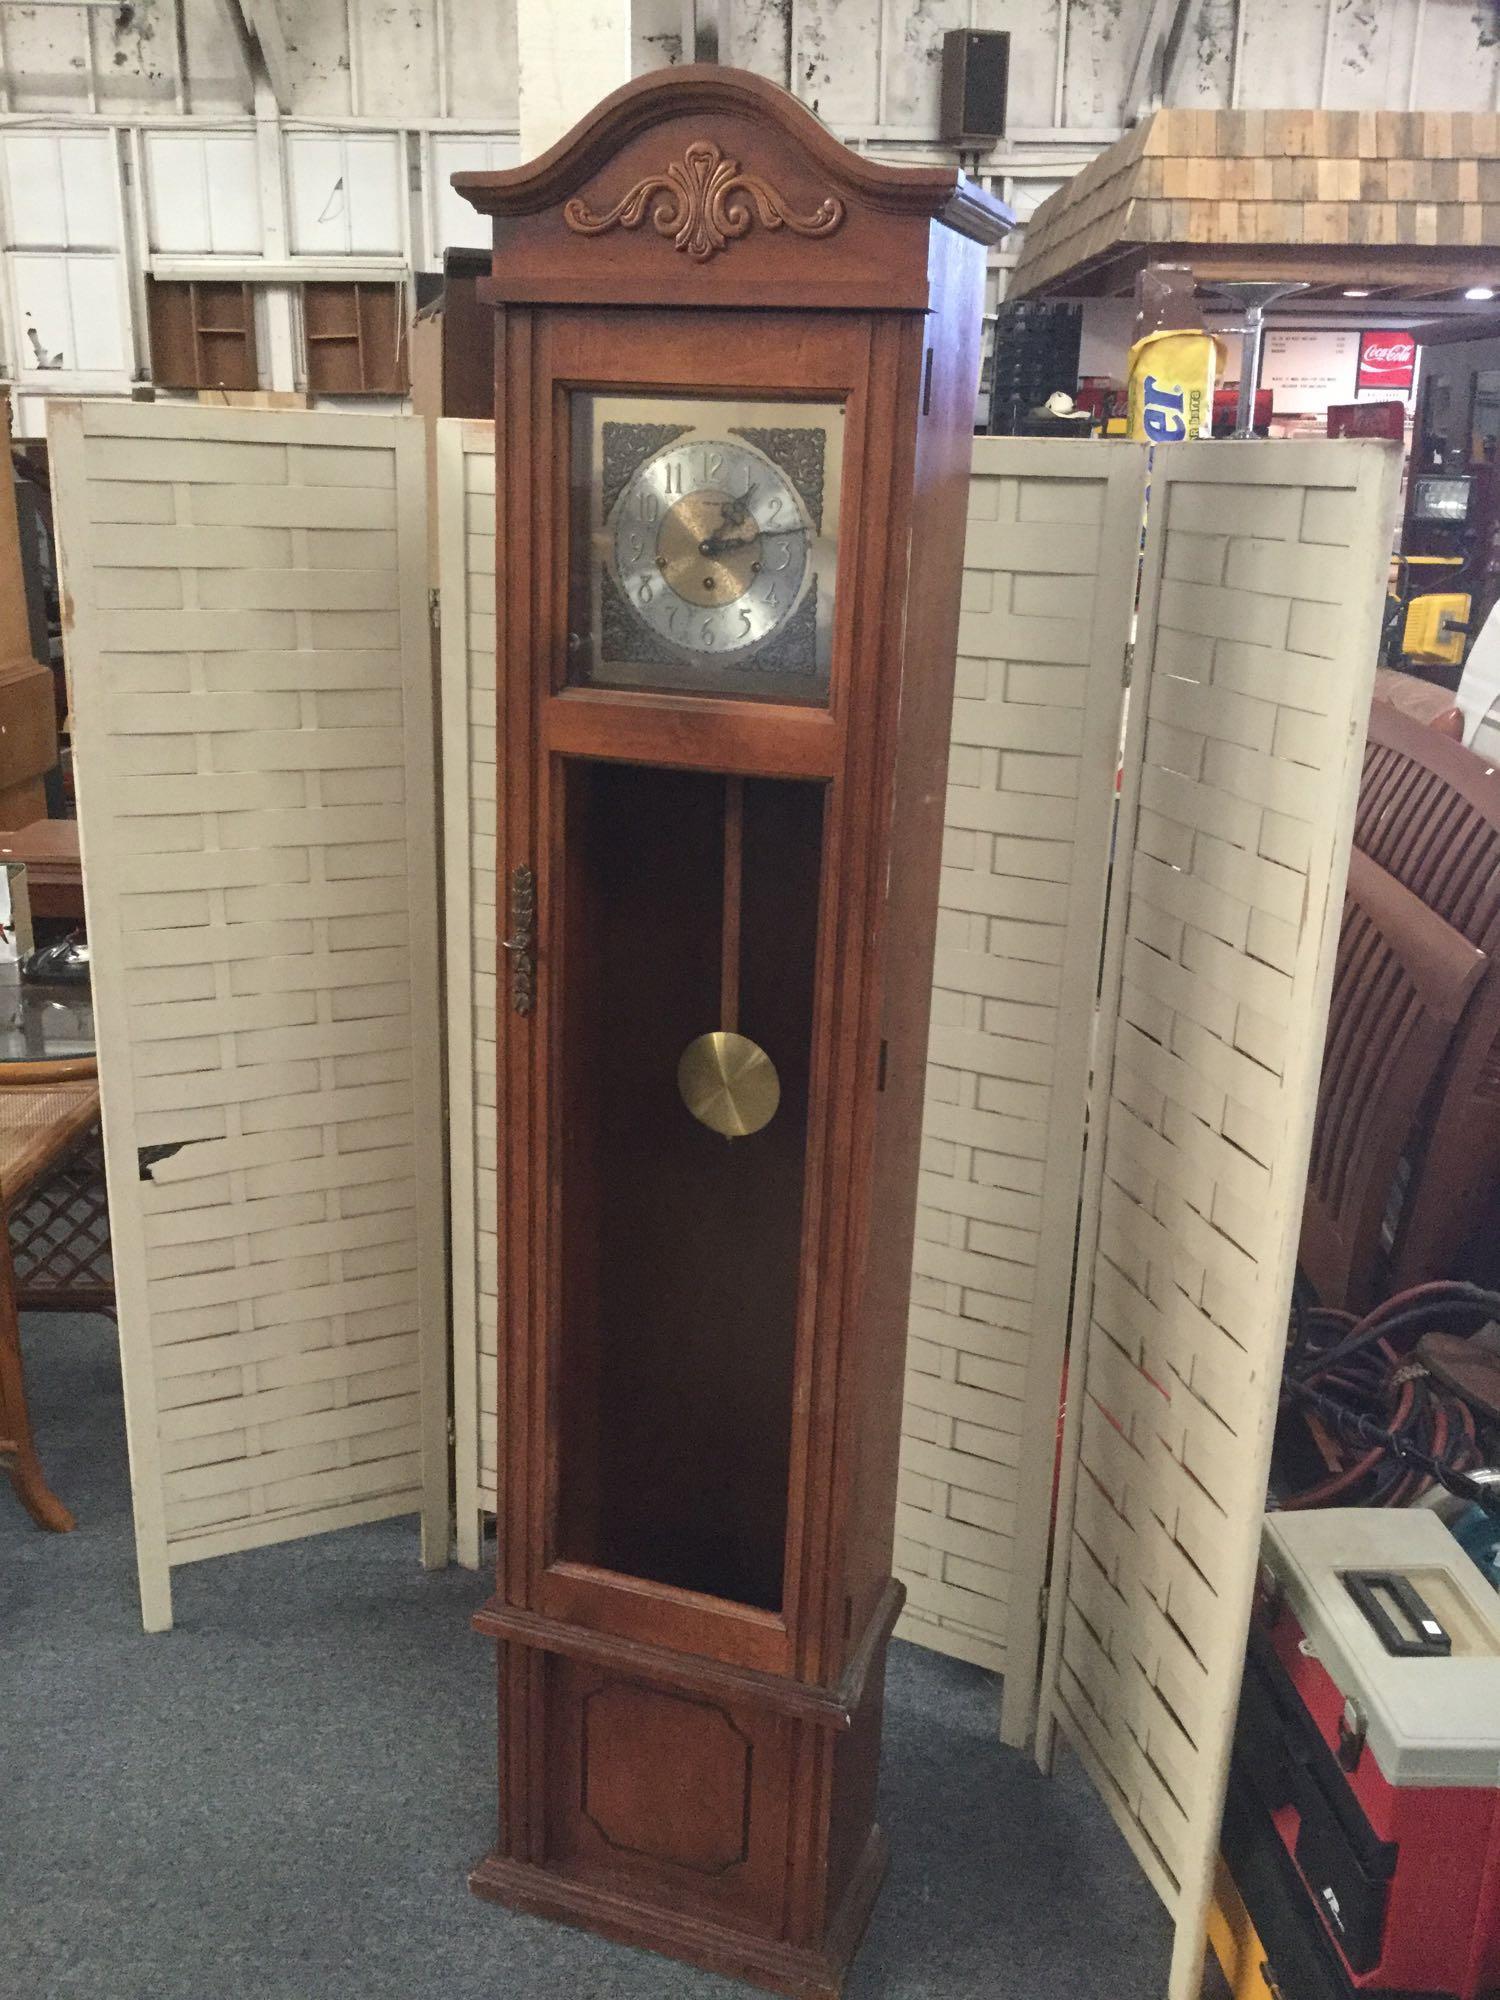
(28, 710)
(735, 379)
(355, 339)
(202, 335)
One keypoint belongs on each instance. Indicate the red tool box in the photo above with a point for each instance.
(1369, 1732)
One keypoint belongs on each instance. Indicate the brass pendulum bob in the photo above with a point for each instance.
(727, 1081)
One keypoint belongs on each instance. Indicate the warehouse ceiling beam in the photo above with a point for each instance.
(1150, 71)
(258, 26)
(705, 33)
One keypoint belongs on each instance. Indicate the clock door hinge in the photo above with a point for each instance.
(521, 941)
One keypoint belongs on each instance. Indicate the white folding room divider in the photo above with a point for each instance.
(251, 682)
(1262, 586)
(466, 560)
(1192, 1050)
(1052, 541)
(1049, 573)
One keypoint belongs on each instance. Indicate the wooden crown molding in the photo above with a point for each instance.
(702, 201)
(703, 89)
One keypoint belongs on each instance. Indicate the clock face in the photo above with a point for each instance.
(705, 545)
(710, 545)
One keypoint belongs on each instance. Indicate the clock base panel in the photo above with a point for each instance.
(715, 1814)
(713, 1947)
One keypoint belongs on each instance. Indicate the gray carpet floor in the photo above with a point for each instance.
(279, 1799)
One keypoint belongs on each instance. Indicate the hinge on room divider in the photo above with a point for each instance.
(519, 943)
(434, 610)
(1043, 1599)
(1127, 673)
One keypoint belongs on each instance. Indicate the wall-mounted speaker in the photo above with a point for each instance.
(976, 74)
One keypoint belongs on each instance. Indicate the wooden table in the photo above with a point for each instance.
(54, 873)
(1424, 701)
(54, 1248)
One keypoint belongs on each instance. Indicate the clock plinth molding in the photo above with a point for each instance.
(702, 1337)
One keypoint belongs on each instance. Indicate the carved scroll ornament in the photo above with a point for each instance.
(703, 201)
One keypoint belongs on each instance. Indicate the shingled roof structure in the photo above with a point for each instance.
(1407, 202)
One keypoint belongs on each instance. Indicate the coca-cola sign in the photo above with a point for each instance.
(1387, 360)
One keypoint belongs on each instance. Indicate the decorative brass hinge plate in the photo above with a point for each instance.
(521, 942)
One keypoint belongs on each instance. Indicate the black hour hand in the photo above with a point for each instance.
(721, 544)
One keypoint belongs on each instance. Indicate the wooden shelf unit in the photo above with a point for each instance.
(202, 334)
(355, 339)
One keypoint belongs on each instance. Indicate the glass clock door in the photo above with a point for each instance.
(689, 941)
(705, 543)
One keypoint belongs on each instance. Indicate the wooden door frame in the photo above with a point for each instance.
(543, 355)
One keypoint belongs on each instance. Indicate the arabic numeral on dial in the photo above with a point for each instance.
(773, 593)
(709, 633)
(635, 545)
(676, 619)
(781, 556)
(643, 591)
(713, 464)
(773, 508)
(647, 507)
(747, 624)
(673, 471)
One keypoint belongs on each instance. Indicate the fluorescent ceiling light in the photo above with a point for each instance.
(1480, 292)
(1356, 291)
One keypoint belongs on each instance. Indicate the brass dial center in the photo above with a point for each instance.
(708, 549)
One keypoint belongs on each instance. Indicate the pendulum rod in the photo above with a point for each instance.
(726, 1081)
(734, 883)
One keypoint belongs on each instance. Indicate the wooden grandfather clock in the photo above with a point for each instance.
(735, 381)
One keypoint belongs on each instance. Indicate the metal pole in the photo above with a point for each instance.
(1251, 341)
(1252, 296)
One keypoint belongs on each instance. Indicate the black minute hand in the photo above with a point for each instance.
(718, 545)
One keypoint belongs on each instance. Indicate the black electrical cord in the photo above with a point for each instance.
(1414, 1312)
(1360, 1428)
(1389, 1429)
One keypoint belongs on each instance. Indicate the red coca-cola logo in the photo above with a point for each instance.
(1387, 360)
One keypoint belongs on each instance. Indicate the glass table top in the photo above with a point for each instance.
(45, 1023)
